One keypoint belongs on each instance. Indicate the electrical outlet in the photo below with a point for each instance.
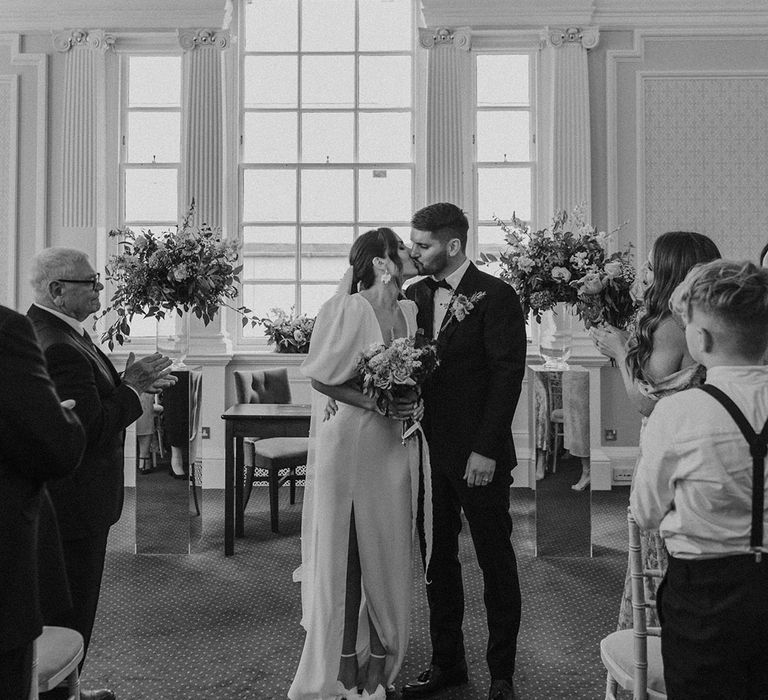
(610, 435)
(205, 432)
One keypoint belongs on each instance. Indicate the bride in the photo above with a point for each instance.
(361, 491)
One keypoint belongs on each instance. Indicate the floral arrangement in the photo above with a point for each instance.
(190, 269)
(389, 372)
(567, 263)
(287, 332)
(461, 306)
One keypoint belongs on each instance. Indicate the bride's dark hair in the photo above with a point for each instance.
(376, 243)
(674, 253)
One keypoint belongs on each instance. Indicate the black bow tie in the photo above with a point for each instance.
(434, 284)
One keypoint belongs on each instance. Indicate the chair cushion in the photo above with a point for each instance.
(58, 649)
(617, 649)
(280, 452)
(556, 416)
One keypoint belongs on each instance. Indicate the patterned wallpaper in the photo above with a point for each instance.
(706, 159)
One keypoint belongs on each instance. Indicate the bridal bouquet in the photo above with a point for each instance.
(287, 332)
(190, 269)
(389, 372)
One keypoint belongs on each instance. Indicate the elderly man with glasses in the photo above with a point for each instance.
(89, 501)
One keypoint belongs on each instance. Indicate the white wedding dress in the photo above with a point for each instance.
(355, 458)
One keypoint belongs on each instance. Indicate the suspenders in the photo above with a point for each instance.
(758, 447)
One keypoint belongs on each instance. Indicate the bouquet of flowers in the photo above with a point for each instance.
(389, 372)
(567, 263)
(189, 269)
(287, 332)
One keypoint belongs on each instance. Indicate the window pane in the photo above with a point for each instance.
(143, 327)
(503, 136)
(150, 194)
(255, 235)
(154, 81)
(328, 25)
(271, 267)
(269, 195)
(327, 137)
(385, 195)
(270, 81)
(502, 80)
(395, 15)
(323, 267)
(262, 298)
(385, 81)
(271, 25)
(154, 137)
(491, 237)
(328, 81)
(312, 235)
(326, 195)
(385, 137)
(270, 137)
(313, 296)
(504, 191)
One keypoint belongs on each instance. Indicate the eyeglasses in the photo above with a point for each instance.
(93, 281)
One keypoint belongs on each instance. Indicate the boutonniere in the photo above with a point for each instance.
(461, 306)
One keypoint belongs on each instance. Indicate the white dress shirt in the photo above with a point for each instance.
(694, 477)
(443, 296)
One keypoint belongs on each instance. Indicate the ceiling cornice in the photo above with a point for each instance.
(608, 14)
(30, 16)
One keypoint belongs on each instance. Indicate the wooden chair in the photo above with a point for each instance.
(275, 454)
(632, 657)
(58, 651)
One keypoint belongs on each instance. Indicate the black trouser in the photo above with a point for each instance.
(714, 628)
(487, 511)
(16, 672)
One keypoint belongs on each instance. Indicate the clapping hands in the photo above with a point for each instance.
(150, 374)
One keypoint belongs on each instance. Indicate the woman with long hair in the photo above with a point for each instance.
(362, 484)
(654, 360)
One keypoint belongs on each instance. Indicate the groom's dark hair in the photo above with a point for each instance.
(444, 221)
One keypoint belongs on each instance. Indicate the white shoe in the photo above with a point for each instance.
(379, 694)
(346, 693)
(581, 484)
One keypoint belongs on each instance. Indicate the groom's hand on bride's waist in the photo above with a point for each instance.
(480, 470)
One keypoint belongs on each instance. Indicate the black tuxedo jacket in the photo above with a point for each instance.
(39, 440)
(471, 399)
(91, 499)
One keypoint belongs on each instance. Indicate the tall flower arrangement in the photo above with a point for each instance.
(568, 263)
(155, 274)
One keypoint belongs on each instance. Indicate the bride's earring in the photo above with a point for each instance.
(386, 277)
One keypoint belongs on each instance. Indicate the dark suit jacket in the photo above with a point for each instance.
(39, 440)
(471, 399)
(92, 498)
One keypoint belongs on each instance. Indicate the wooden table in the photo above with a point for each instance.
(261, 420)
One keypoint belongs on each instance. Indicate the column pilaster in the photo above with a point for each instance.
(202, 157)
(571, 169)
(82, 122)
(447, 83)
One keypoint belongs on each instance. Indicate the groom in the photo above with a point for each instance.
(470, 401)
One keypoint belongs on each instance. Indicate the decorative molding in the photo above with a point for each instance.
(80, 38)
(9, 178)
(588, 38)
(460, 38)
(191, 39)
(38, 61)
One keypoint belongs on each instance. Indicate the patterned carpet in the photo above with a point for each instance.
(203, 626)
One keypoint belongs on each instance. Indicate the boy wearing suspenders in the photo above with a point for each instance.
(701, 481)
